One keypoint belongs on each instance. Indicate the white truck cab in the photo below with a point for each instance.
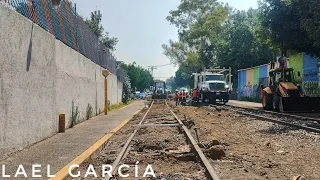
(213, 86)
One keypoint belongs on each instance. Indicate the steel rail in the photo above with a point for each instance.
(203, 158)
(269, 118)
(125, 147)
(280, 113)
(157, 125)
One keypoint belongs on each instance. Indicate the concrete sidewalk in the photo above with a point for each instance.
(61, 149)
(245, 104)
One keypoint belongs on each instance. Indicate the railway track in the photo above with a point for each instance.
(156, 137)
(292, 120)
(155, 120)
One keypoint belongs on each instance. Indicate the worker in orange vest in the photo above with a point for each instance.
(183, 96)
(195, 95)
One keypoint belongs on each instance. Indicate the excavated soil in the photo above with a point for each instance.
(238, 147)
(253, 149)
(164, 148)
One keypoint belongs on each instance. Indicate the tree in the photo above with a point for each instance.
(126, 89)
(293, 24)
(212, 34)
(242, 47)
(200, 24)
(140, 78)
(94, 24)
(171, 83)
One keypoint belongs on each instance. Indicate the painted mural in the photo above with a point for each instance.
(250, 80)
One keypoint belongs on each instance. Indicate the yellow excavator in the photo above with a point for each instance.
(283, 94)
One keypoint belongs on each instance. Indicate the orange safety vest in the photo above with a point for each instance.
(184, 94)
(195, 93)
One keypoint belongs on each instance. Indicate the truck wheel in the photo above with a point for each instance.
(267, 101)
(276, 103)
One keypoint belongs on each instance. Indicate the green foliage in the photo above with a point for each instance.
(75, 115)
(140, 78)
(118, 106)
(293, 24)
(171, 83)
(242, 47)
(94, 24)
(126, 89)
(89, 112)
(212, 34)
(109, 42)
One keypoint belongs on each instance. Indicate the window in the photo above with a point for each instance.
(217, 86)
(217, 77)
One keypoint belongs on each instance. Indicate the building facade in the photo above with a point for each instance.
(250, 79)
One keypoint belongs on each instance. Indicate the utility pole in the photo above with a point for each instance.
(151, 68)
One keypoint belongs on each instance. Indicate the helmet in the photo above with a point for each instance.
(177, 90)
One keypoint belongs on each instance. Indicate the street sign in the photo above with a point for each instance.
(105, 73)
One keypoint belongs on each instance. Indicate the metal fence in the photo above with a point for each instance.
(69, 27)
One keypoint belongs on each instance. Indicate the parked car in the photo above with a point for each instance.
(142, 95)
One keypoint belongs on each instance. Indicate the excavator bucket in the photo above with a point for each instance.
(300, 104)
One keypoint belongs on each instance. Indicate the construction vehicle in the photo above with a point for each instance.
(283, 94)
(159, 90)
(212, 85)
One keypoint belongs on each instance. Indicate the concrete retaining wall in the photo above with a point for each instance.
(40, 77)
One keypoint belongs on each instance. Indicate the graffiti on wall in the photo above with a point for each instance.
(246, 91)
(311, 88)
(253, 90)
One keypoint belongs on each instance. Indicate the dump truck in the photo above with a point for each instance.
(283, 94)
(212, 85)
(159, 90)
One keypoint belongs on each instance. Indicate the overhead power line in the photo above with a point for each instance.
(151, 68)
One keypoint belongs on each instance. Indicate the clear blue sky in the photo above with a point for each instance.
(142, 28)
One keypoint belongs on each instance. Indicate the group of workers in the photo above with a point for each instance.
(181, 96)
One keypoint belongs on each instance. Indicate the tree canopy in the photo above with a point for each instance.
(94, 24)
(213, 34)
(293, 24)
(140, 78)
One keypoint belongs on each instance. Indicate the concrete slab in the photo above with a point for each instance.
(245, 104)
(61, 149)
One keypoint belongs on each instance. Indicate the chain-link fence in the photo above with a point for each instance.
(67, 26)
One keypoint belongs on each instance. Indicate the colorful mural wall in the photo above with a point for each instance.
(249, 80)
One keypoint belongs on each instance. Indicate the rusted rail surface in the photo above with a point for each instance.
(125, 147)
(195, 145)
(265, 115)
(305, 118)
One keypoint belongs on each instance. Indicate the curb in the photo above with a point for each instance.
(64, 172)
